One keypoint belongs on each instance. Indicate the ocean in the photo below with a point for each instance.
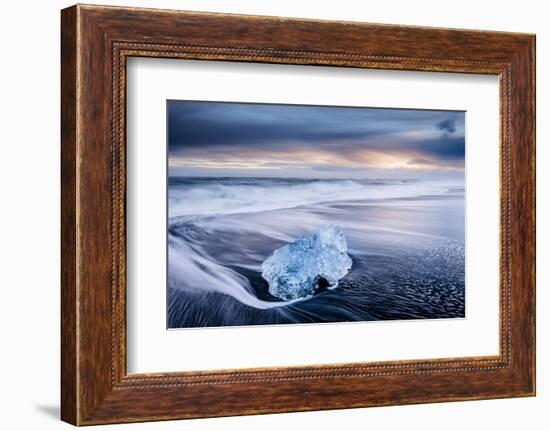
(405, 238)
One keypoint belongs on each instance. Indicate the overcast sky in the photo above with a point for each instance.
(266, 140)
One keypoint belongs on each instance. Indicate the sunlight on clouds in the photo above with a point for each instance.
(308, 159)
(211, 138)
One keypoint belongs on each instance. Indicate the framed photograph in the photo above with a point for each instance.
(263, 200)
(264, 214)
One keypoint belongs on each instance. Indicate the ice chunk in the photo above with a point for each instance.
(298, 269)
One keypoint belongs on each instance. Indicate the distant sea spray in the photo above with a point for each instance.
(190, 196)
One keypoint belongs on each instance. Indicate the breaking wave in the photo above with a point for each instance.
(215, 196)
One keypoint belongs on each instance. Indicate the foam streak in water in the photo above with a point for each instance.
(185, 263)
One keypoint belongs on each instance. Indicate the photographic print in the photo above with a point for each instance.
(293, 214)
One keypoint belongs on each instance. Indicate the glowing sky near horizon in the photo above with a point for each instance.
(244, 139)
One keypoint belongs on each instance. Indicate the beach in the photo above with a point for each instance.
(405, 238)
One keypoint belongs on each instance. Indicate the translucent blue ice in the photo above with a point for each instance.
(298, 269)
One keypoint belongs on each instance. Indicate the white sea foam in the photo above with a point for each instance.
(189, 264)
(188, 197)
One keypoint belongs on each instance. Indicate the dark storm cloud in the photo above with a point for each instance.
(198, 124)
(444, 147)
(448, 124)
(211, 130)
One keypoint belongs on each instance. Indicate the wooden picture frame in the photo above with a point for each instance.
(95, 43)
